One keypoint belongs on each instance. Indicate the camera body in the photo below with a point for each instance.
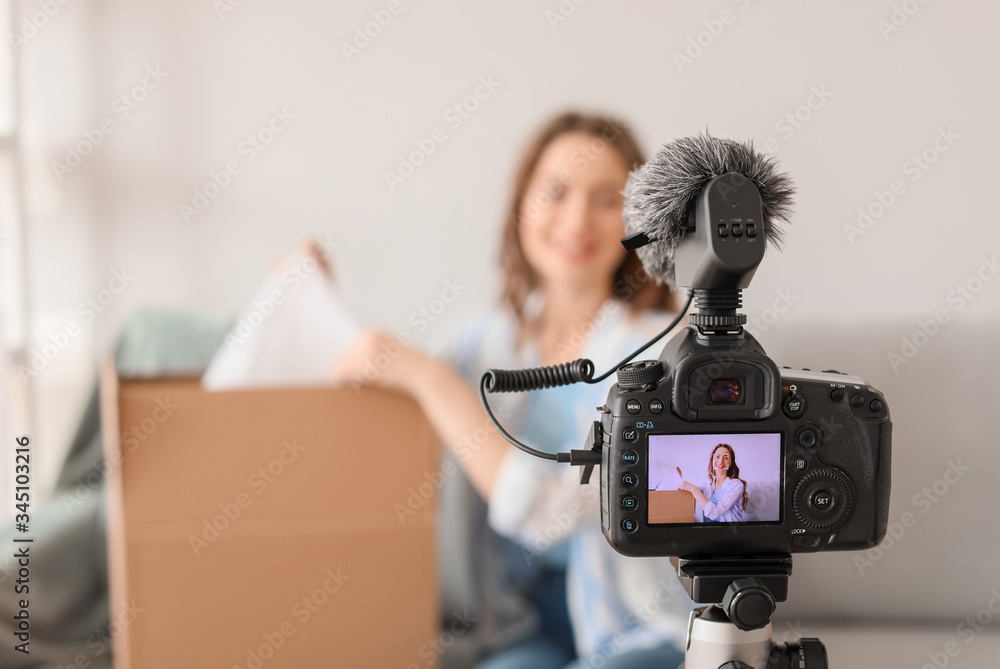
(812, 454)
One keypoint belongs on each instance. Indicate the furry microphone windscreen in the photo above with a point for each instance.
(659, 194)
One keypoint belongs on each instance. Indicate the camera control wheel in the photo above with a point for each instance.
(823, 498)
(640, 375)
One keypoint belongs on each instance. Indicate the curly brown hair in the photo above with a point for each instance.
(631, 283)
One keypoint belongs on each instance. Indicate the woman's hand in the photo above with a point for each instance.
(685, 485)
(377, 358)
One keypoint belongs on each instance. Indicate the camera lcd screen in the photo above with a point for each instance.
(714, 478)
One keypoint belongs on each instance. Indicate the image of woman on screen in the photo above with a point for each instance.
(723, 498)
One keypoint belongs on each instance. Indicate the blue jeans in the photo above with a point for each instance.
(552, 647)
(541, 653)
(661, 657)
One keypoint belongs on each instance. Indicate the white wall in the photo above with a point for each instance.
(324, 174)
(757, 455)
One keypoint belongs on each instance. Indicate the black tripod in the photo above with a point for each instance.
(735, 631)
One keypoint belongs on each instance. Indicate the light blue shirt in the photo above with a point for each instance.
(725, 505)
(616, 603)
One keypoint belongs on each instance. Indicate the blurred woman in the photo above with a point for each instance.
(570, 290)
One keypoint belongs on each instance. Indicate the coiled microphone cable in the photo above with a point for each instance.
(568, 373)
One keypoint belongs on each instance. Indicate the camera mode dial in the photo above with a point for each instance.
(823, 498)
(640, 375)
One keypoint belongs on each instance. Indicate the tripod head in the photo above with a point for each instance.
(735, 631)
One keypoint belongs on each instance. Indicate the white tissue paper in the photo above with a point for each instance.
(290, 334)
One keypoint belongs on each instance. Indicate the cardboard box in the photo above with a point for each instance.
(671, 506)
(277, 528)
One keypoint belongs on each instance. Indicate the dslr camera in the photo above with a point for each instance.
(711, 449)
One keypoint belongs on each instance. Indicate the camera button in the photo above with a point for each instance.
(630, 525)
(630, 458)
(656, 406)
(737, 230)
(837, 394)
(629, 480)
(633, 406)
(751, 230)
(799, 464)
(805, 541)
(723, 230)
(629, 503)
(630, 434)
(822, 501)
(807, 438)
(857, 400)
(794, 406)
(876, 405)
